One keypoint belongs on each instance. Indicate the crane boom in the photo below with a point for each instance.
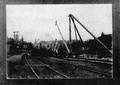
(62, 38)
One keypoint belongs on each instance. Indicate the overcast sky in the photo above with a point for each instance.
(38, 21)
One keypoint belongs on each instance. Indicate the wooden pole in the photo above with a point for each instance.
(62, 38)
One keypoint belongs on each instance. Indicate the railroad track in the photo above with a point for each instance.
(90, 60)
(87, 68)
(36, 67)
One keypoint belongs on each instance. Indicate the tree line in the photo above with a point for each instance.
(91, 46)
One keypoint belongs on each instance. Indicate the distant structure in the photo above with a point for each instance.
(16, 36)
(22, 39)
(36, 43)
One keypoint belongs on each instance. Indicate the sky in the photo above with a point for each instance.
(38, 21)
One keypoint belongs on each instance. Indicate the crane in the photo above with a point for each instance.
(75, 19)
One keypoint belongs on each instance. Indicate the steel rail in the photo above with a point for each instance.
(57, 72)
(89, 60)
(85, 67)
(44, 65)
(32, 69)
(91, 69)
(54, 70)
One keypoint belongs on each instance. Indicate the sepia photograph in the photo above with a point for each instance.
(59, 41)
